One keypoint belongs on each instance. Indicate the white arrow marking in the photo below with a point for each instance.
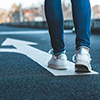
(39, 56)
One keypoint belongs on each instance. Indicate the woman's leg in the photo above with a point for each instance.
(54, 16)
(82, 17)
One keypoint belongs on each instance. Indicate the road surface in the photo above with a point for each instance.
(22, 78)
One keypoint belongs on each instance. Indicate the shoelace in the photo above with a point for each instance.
(73, 58)
(50, 51)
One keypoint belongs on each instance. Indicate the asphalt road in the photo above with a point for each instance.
(21, 78)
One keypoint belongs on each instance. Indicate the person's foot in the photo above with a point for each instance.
(82, 62)
(58, 62)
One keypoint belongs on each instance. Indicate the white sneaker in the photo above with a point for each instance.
(58, 62)
(82, 62)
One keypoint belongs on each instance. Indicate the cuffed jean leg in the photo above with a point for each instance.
(82, 19)
(54, 16)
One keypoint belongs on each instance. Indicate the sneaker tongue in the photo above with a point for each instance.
(58, 57)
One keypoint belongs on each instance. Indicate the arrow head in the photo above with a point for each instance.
(10, 41)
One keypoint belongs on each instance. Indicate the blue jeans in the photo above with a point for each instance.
(81, 11)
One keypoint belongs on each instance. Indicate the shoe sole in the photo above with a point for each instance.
(81, 66)
(57, 67)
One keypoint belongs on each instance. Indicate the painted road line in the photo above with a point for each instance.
(31, 32)
(39, 56)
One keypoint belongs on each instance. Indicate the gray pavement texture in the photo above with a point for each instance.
(23, 79)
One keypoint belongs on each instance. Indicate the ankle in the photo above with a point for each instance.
(86, 49)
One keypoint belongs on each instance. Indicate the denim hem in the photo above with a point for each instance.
(62, 52)
(83, 47)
